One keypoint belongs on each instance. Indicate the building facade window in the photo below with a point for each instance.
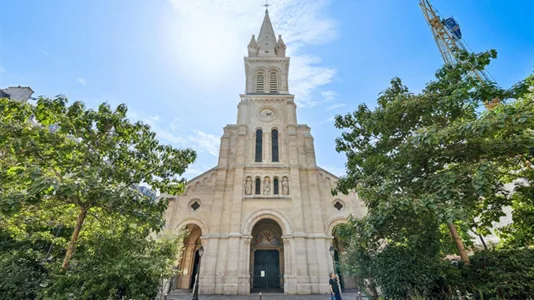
(274, 145)
(260, 82)
(276, 191)
(273, 82)
(259, 140)
(257, 186)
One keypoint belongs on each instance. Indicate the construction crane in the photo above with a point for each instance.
(448, 37)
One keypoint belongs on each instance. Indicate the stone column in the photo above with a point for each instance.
(290, 280)
(244, 262)
(208, 265)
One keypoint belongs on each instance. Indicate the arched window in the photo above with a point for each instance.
(273, 82)
(260, 82)
(274, 145)
(259, 138)
(257, 186)
(275, 187)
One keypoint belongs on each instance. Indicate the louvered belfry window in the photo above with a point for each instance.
(260, 83)
(274, 144)
(273, 83)
(259, 137)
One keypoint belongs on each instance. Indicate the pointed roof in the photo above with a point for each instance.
(266, 38)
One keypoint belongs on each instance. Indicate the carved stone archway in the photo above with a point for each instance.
(255, 217)
(188, 264)
(267, 259)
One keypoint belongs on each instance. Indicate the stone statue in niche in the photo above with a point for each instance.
(267, 186)
(285, 186)
(248, 186)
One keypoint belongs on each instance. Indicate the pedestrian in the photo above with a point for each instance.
(335, 292)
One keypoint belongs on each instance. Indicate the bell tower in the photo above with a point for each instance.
(267, 111)
(266, 66)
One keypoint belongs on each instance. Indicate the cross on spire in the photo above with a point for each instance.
(266, 4)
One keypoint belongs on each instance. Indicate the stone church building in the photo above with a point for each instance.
(265, 214)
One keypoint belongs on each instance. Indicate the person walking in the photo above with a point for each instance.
(335, 291)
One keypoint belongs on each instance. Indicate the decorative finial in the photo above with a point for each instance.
(266, 5)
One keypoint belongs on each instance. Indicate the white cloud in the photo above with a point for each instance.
(212, 35)
(195, 139)
(81, 81)
(328, 95)
(329, 120)
(44, 53)
(207, 142)
(332, 107)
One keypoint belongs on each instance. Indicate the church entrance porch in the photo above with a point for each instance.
(188, 264)
(266, 258)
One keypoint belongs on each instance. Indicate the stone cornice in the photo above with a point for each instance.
(267, 59)
(266, 100)
(284, 237)
(267, 197)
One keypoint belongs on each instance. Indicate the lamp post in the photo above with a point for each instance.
(195, 291)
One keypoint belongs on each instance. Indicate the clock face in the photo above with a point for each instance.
(267, 114)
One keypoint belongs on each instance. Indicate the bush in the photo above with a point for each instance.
(401, 271)
(21, 275)
(496, 274)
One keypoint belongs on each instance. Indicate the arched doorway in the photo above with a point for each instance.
(266, 258)
(337, 261)
(346, 281)
(188, 265)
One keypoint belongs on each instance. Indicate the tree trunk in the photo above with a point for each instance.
(74, 237)
(459, 243)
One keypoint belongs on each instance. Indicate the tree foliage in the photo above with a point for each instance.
(67, 178)
(422, 161)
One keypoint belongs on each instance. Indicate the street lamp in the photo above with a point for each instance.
(195, 292)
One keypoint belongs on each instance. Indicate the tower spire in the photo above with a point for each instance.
(266, 38)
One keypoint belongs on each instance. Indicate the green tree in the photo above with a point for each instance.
(431, 158)
(88, 163)
(520, 233)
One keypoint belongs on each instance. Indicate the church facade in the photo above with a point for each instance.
(265, 214)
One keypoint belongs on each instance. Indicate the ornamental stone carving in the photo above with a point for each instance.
(253, 47)
(285, 186)
(267, 186)
(248, 186)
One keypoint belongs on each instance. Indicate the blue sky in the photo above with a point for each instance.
(178, 64)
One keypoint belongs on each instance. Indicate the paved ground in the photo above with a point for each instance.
(346, 296)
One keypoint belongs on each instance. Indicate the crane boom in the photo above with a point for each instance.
(448, 37)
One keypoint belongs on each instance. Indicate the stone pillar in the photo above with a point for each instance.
(290, 280)
(208, 265)
(244, 266)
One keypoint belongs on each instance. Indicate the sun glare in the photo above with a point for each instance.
(205, 45)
